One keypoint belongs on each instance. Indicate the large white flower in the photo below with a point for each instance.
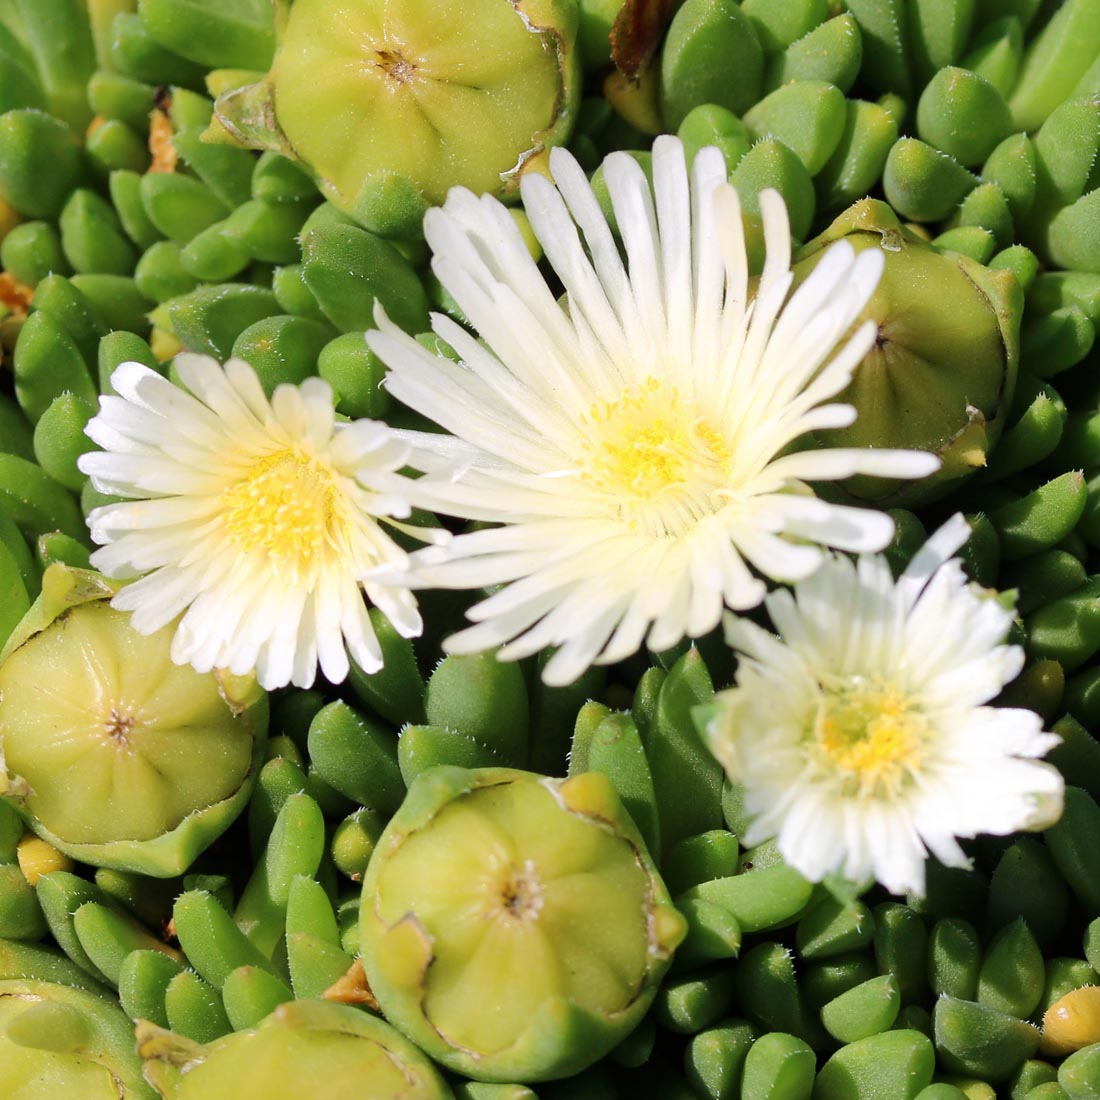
(861, 738)
(634, 443)
(256, 519)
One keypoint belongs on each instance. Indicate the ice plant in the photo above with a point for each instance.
(255, 519)
(862, 737)
(638, 447)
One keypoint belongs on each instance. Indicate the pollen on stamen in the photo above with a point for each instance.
(285, 507)
(654, 455)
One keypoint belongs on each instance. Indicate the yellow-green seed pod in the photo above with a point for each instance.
(114, 754)
(309, 1050)
(514, 926)
(417, 98)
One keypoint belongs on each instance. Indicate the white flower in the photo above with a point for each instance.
(634, 446)
(861, 739)
(256, 519)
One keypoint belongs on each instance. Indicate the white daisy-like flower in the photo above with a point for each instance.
(636, 444)
(861, 737)
(256, 519)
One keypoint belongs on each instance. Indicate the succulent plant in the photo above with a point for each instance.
(113, 753)
(942, 373)
(488, 874)
(308, 1050)
(416, 98)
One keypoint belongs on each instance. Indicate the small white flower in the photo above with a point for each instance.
(861, 738)
(255, 519)
(635, 447)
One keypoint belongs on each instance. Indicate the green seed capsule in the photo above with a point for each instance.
(922, 183)
(711, 54)
(831, 52)
(210, 318)
(963, 115)
(977, 1039)
(31, 251)
(857, 163)
(40, 163)
(893, 1063)
(806, 116)
(282, 349)
(180, 206)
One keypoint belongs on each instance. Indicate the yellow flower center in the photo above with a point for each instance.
(873, 733)
(661, 463)
(287, 507)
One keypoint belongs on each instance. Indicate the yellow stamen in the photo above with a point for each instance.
(872, 732)
(287, 508)
(658, 459)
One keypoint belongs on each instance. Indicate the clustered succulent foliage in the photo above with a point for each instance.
(447, 879)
